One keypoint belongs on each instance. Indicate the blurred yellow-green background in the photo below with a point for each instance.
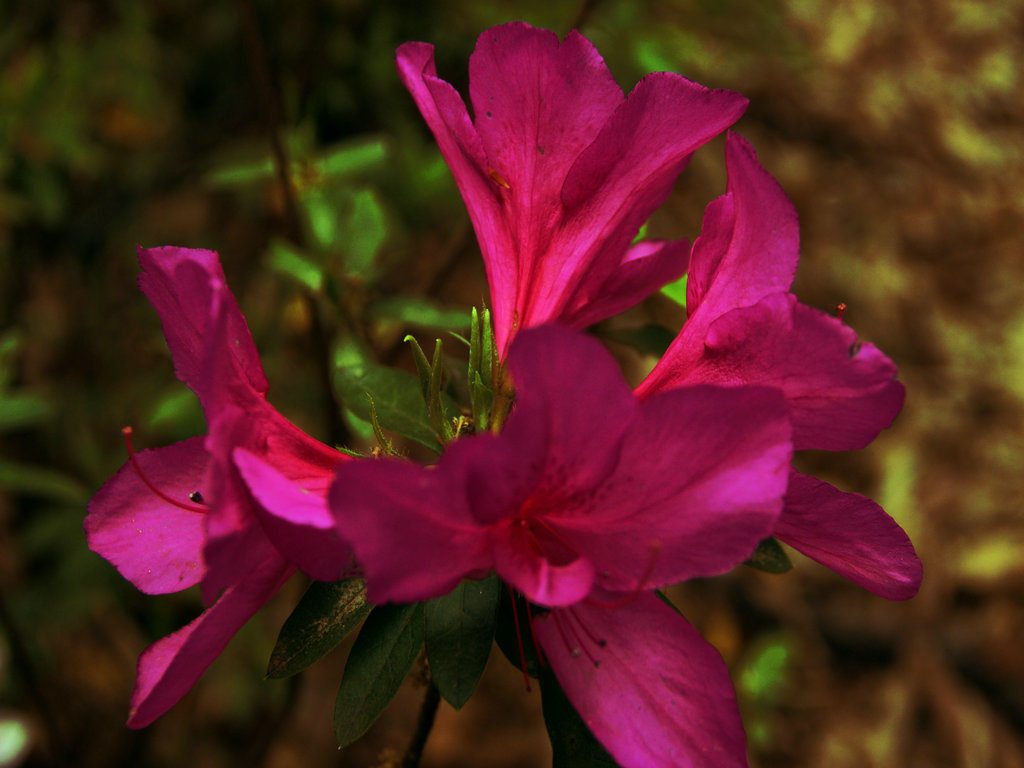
(896, 128)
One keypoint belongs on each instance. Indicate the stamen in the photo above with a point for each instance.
(127, 432)
(579, 646)
(519, 638)
(840, 311)
(536, 649)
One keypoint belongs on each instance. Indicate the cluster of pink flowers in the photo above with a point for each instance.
(593, 495)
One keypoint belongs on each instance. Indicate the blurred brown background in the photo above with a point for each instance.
(894, 127)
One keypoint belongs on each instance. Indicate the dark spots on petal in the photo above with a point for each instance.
(540, 149)
(597, 665)
(196, 496)
(488, 114)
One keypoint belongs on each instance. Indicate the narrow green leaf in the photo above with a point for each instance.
(572, 743)
(378, 433)
(770, 557)
(649, 339)
(382, 656)
(489, 346)
(324, 615)
(435, 405)
(422, 365)
(397, 400)
(483, 401)
(459, 631)
(475, 351)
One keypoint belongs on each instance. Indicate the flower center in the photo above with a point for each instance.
(195, 496)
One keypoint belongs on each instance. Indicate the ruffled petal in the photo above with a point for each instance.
(842, 393)
(645, 682)
(155, 545)
(296, 519)
(538, 103)
(627, 173)
(648, 266)
(749, 244)
(187, 288)
(850, 534)
(701, 464)
(170, 667)
(409, 526)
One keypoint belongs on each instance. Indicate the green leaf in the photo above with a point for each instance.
(324, 615)
(397, 400)
(177, 408)
(352, 157)
(363, 232)
(572, 743)
(289, 261)
(382, 656)
(421, 313)
(422, 365)
(770, 557)
(649, 339)
(676, 291)
(41, 481)
(19, 410)
(459, 631)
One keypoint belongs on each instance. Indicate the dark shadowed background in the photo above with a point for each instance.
(896, 128)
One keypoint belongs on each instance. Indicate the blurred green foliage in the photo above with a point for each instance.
(894, 128)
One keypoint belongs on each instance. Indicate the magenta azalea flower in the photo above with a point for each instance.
(186, 514)
(559, 170)
(587, 501)
(745, 327)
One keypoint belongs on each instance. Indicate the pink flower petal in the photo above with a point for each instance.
(236, 544)
(701, 464)
(536, 574)
(558, 171)
(648, 265)
(185, 286)
(842, 393)
(850, 534)
(572, 407)
(747, 249)
(296, 519)
(651, 690)
(170, 667)
(155, 545)
(409, 527)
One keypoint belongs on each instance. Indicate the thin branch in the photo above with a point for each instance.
(270, 104)
(425, 722)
